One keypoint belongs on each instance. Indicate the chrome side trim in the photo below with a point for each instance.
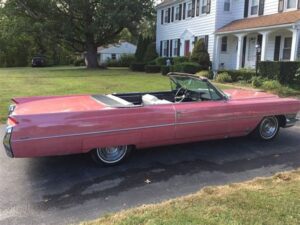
(129, 129)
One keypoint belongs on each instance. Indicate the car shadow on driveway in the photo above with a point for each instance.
(64, 182)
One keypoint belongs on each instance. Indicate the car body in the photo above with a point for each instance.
(194, 110)
(38, 61)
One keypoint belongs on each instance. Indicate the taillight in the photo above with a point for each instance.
(7, 141)
(11, 121)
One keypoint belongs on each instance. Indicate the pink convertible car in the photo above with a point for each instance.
(109, 126)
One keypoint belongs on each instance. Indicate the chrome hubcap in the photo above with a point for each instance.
(112, 154)
(269, 127)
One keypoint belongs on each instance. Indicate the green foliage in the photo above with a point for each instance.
(206, 73)
(271, 85)
(239, 75)
(180, 59)
(224, 77)
(151, 53)
(187, 67)
(269, 70)
(165, 70)
(142, 48)
(79, 62)
(124, 61)
(257, 81)
(152, 69)
(162, 61)
(200, 54)
(137, 66)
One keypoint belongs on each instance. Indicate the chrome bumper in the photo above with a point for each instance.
(291, 120)
(7, 142)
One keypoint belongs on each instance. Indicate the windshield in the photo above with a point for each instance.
(193, 84)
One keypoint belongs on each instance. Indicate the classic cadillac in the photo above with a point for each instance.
(109, 126)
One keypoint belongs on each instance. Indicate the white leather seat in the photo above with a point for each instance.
(153, 100)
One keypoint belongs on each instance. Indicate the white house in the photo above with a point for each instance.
(236, 32)
(115, 51)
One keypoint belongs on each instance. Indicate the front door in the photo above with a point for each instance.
(187, 48)
(251, 53)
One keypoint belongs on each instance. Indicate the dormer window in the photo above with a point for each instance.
(227, 5)
(177, 13)
(291, 4)
(253, 7)
(189, 10)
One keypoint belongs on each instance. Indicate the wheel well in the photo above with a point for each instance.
(281, 120)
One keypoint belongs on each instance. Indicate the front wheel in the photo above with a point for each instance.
(268, 128)
(110, 156)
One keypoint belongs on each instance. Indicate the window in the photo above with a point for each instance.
(287, 46)
(177, 12)
(175, 48)
(113, 56)
(198, 8)
(166, 16)
(203, 6)
(224, 44)
(226, 5)
(254, 7)
(165, 48)
(290, 4)
(189, 10)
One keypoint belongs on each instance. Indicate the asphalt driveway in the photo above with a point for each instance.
(64, 190)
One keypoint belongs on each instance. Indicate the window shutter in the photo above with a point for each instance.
(261, 7)
(208, 6)
(246, 8)
(259, 42)
(193, 8)
(244, 51)
(168, 42)
(169, 15)
(178, 47)
(298, 4)
(277, 48)
(171, 48)
(184, 10)
(172, 14)
(206, 40)
(161, 48)
(180, 11)
(162, 17)
(198, 8)
(280, 5)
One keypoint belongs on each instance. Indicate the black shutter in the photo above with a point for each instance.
(178, 47)
(198, 8)
(206, 39)
(208, 6)
(277, 48)
(172, 14)
(169, 15)
(184, 10)
(261, 7)
(168, 48)
(298, 4)
(246, 8)
(162, 17)
(171, 48)
(259, 42)
(193, 8)
(180, 11)
(161, 48)
(244, 51)
(280, 5)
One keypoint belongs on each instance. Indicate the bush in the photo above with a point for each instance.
(200, 54)
(238, 75)
(165, 70)
(271, 85)
(224, 78)
(180, 59)
(206, 73)
(79, 62)
(257, 81)
(137, 66)
(162, 61)
(269, 70)
(152, 69)
(124, 61)
(187, 67)
(151, 53)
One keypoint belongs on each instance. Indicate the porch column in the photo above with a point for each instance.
(265, 38)
(295, 42)
(239, 54)
(217, 53)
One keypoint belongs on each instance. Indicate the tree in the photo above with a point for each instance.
(85, 24)
(151, 53)
(200, 54)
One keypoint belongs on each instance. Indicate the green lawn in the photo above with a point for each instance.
(267, 201)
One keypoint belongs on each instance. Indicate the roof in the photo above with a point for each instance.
(262, 21)
(167, 2)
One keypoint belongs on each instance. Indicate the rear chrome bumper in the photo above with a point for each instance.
(291, 120)
(7, 142)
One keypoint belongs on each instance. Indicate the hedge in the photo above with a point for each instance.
(152, 69)
(165, 70)
(284, 72)
(237, 75)
(187, 67)
(137, 67)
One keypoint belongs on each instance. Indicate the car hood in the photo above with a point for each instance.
(240, 94)
(59, 104)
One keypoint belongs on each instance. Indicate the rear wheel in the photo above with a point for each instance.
(110, 156)
(268, 128)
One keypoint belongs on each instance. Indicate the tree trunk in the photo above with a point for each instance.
(91, 57)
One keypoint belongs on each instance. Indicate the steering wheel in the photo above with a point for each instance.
(180, 98)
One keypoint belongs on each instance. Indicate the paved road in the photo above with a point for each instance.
(63, 190)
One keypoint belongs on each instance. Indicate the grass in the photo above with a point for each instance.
(274, 200)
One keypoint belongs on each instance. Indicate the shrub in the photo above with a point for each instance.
(269, 70)
(180, 59)
(162, 61)
(165, 70)
(79, 62)
(224, 78)
(187, 67)
(150, 53)
(142, 48)
(238, 75)
(124, 61)
(257, 81)
(206, 73)
(200, 54)
(271, 85)
(152, 68)
(136, 66)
